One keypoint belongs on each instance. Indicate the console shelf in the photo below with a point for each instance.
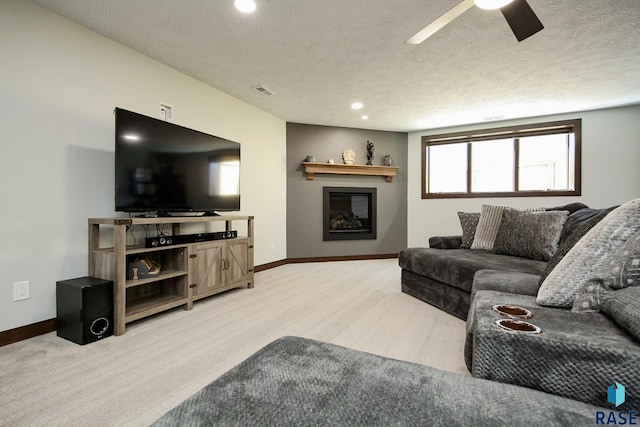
(188, 272)
(166, 274)
(131, 250)
(152, 305)
(339, 169)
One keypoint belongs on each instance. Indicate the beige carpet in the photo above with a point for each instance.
(133, 379)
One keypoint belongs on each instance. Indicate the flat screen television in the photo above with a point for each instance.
(163, 168)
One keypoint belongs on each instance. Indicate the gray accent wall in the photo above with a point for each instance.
(304, 197)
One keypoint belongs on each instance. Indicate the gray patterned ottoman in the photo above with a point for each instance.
(300, 382)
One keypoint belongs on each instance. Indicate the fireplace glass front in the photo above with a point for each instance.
(349, 213)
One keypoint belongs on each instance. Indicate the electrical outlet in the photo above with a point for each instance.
(166, 112)
(21, 290)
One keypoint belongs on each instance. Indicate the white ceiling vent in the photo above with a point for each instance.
(263, 90)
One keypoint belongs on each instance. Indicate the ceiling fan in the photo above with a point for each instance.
(519, 15)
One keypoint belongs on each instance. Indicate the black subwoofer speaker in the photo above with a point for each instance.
(84, 309)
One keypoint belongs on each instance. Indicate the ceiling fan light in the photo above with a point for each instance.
(491, 4)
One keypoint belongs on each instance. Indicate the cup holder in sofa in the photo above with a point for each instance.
(519, 326)
(512, 311)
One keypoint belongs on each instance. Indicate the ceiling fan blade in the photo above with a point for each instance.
(436, 25)
(521, 18)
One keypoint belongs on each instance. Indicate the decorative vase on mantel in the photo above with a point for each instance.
(388, 160)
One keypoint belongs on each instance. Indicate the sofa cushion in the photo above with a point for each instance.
(513, 282)
(576, 226)
(623, 306)
(571, 207)
(469, 224)
(577, 268)
(456, 267)
(577, 219)
(527, 234)
(445, 242)
(621, 270)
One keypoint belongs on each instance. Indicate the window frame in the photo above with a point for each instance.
(510, 132)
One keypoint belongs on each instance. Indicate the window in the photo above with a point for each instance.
(531, 160)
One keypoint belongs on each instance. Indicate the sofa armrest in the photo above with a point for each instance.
(445, 242)
(575, 356)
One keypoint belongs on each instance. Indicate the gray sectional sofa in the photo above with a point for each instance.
(576, 354)
(443, 274)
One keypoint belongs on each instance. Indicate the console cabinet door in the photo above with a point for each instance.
(237, 261)
(208, 265)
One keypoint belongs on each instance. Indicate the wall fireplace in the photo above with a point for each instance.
(349, 213)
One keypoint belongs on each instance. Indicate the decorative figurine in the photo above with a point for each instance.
(330, 161)
(388, 160)
(348, 157)
(370, 149)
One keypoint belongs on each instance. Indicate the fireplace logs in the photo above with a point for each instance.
(345, 220)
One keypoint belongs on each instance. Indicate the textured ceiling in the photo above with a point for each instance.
(319, 56)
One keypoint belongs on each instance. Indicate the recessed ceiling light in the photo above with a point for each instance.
(245, 6)
(365, 117)
(491, 4)
(357, 105)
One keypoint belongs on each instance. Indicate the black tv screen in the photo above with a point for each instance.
(162, 167)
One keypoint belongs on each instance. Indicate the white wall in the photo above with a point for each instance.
(610, 172)
(59, 84)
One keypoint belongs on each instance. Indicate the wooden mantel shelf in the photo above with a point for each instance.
(340, 169)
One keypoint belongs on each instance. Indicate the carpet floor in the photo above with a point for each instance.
(133, 379)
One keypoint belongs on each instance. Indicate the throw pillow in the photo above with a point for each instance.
(527, 234)
(571, 207)
(623, 306)
(469, 223)
(577, 267)
(573, 237)
(488, 224)
(576, 219)
(621, 270)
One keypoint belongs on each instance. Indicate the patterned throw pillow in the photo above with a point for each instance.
(532, 235)
(577, 268)
(469, 223)
(487, 229)
(623, 306)
(575, 234)
(488, 225)
(621, 270)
